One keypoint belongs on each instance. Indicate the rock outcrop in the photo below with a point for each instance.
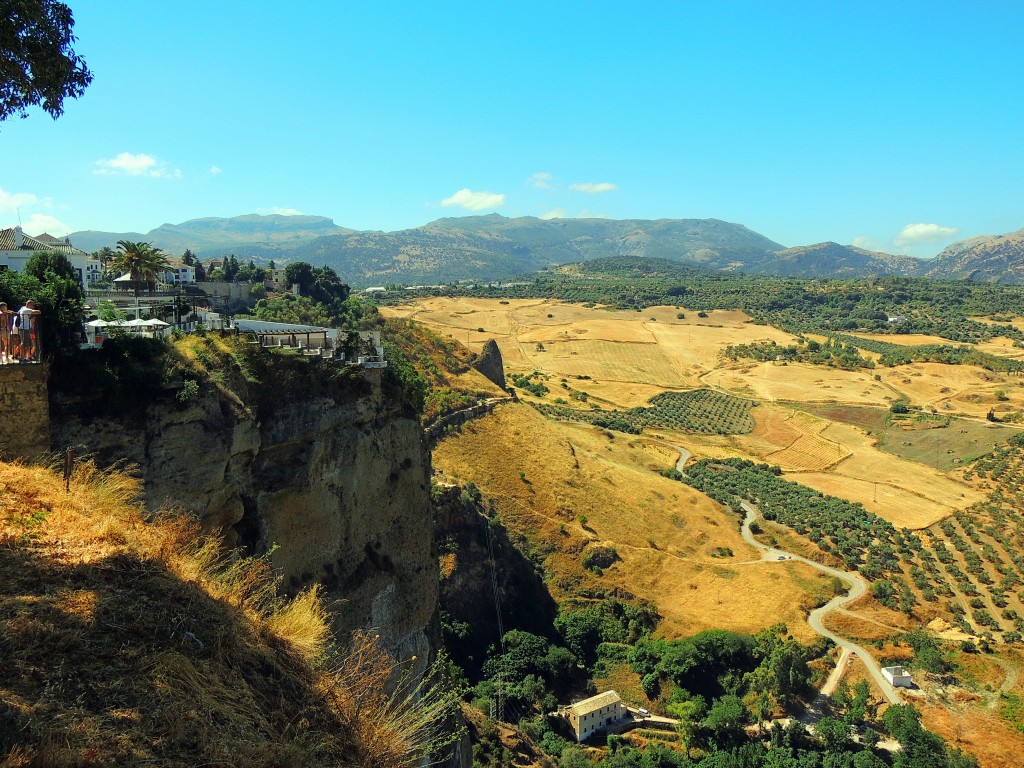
(490, 364)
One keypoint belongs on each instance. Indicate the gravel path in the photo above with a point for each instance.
(857, 587)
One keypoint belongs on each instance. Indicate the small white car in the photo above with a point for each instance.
(643, 712)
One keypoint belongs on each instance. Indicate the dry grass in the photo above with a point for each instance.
(955, 389)
(129, 641)
(664, 532)
(799, 382)
(629, 356)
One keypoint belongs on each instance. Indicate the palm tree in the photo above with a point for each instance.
(142, 261)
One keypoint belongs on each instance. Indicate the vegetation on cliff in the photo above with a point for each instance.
(436, 373)
(131, 638)
(128, 374)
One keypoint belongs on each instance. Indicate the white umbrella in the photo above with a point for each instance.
(155, 322)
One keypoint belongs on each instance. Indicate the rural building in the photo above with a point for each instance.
(898, 676)
(596, 714)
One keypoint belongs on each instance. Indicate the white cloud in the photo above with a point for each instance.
(540, 181)
(277, 210)
(923, 234)
(593, 188)
(474, 201)
(558, 213)
(128, 164)
(215, 170)
(865, 242)
(39, 222)
(11, 201)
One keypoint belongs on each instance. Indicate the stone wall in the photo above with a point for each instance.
(24, 411)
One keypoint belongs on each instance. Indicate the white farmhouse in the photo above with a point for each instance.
(596, 714)
(898, 677)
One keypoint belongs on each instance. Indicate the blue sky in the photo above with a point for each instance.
(893, 125)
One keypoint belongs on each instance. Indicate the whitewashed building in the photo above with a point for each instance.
(16, 248)
(898, 677)
(596, 714)
(179, 273)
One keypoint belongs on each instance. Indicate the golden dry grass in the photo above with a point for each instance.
(129, 641)
(664, 531)
(800, 382)
(975, 730)
(628, 356)
(955, 389)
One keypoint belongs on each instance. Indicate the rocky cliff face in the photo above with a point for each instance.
(337, 490)
(490, 364)
(478, 559)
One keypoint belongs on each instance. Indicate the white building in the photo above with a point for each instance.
(16, 248)
(898, 677)
(179, 273)
(596, 714)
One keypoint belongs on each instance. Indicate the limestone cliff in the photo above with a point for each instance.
(334, 486)
(478, 558)
(490, 364)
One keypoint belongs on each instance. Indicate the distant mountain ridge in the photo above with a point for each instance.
(200, 235)
(990, 258)
(494, 247)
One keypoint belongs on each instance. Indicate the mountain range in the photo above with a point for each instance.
(494, 247)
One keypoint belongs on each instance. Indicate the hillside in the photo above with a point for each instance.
(992, 258)
(833, 260)
(472, 247)
(135, 642)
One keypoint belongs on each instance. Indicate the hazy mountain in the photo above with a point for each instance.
(833, 260)
(495, 247)
(990, 258)
(200, 235)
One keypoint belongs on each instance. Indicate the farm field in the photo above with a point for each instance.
(624, 353)
(955, 389)
(616, 360)
(800, 382)
(941, 442)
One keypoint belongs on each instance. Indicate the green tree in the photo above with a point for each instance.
(725, 720)
(142, 262)
(834, 734)
(38, 66)
(299, 272)
(53, 282)
(689, 712)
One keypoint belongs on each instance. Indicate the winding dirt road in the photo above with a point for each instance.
(857, 587)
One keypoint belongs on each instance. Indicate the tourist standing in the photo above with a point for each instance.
(27, 318)
(5, 333)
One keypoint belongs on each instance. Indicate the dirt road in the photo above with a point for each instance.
(857, 586)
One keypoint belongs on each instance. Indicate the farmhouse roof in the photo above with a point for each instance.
(595, 703)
